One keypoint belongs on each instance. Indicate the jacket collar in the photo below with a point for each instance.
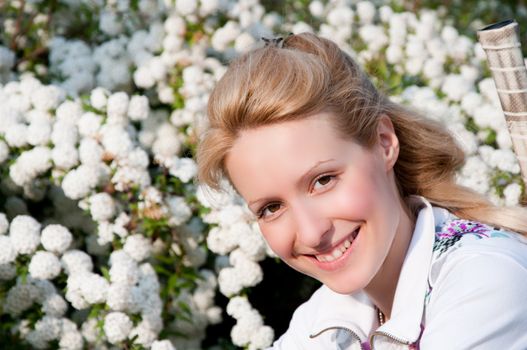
(409, 299)
(356, 311)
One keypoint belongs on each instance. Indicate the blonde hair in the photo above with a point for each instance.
(309, 75)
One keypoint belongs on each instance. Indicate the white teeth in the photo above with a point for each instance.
(337, 251)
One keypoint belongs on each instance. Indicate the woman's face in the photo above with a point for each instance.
(327, 207)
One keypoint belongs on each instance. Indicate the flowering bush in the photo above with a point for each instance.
(106, 240)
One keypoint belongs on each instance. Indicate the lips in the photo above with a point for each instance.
(337, 251)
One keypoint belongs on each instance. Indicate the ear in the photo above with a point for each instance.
(387, 141)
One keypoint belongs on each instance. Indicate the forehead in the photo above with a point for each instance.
(273, 157)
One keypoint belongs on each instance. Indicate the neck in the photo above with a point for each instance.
(381, 289)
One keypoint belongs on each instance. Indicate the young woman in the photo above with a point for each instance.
(359, 193)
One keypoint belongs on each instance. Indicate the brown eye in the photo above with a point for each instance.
(322, 181)
(268, 210)
(273, 207)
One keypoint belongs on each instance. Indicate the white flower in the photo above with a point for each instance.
(138, 109)
(185, 8)
(487, 115)
(69, 111)
(74, 292)
(117, 105)
(39, 131)
(127, 177)
(167, 144)
(246, 326)
(46, 329)
(162, 345)
(340, 16)
(30, 164)
(144, 334)
(56, 238)
(99, 98)
(503, 138)
(89, 330)
(225, 35)
(44, 265)
(119, 296)
(110, 24)
(475, 174)
(89, 124)
(94, 288)
(316, 8)
(54, 305)
(449, 34)
(64, 131)
(253, 245)
(373, 36)
(46, 98)
(262, 338)
(138, 247)
(179, 210)
(90, 152)
(366, 11)
(76, 261)
(471, 101)
(25, 234)
(394, 54)
(183, 168)
(102, 206)
(116, 140)
(221, 241)
(512, 194)
(16, 135)
(143, 78)
(65, 156)
(79, 182)
(238, 306)
(44, 289)
(456, 86)
(229, 282)
(433, 68)
(7, 252)
(117, 326)
(123, 268)
(19, 298)
(71, 340)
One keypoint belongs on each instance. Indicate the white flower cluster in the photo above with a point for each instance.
(249, 329)
(201, 304)
(237, 235)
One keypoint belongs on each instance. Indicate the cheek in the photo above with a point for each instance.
(355, 197)
(279, 239)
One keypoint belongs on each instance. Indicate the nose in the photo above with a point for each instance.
(313, 228)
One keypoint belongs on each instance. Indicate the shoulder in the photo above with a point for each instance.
(478, 288)
(458, 239)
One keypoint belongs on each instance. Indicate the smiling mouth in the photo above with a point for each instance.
(338, 250)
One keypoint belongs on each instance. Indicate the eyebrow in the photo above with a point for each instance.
(301, 182)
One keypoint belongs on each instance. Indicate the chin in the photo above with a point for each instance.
(345, 287)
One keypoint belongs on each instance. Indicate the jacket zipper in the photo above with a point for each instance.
(353, 334)
(388, 335)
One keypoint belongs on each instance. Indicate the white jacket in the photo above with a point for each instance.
(468, 291)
